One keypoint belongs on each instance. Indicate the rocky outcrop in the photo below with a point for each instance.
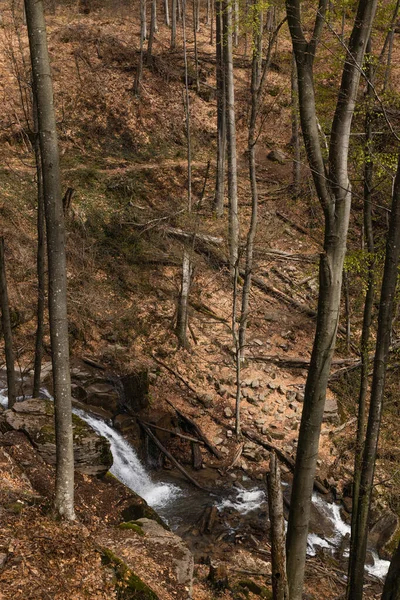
(383, 532)
(167, 542)
(35, 418)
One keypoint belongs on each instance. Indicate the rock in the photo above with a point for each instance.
(135, 388)
(229, 433)
(3, 560)
(291, 395)
(282, 390)
(277, 435)
(228, 412)
(167, 542)
(272, 386)
(347, 504)
(35, 418)
(300, 396)
(257, 342)
(331, 411)
(223, 391)
(277, 155)
(218, 441)
(207, 400)
(382, 533)
(255, 384)
(103, 394)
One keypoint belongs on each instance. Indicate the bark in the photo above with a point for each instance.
(280, 590)
(383, 338)
(40, 261)
(391, 589)
(295, 130)
(221, 113)
(166, 13)
(7, 332)
(195, 29)
(173, 24)
(231, 135)
(43, 90)
(368, 305)
(182, 319)
(334, 194)
(153, 29)
(139, 71)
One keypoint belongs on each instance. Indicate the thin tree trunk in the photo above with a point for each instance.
(208, 15)
(196, 57)
(383, 337)
(221, 113)
(40, 260)
(182, 318)
(236, 23)
(389, 61)
(7, 330)
(295, 130)
(173, 24)
(212, 23)
(231, 135)
(368, 307)
(280, 589)
(43, 89)
(391, 589)
(152, 31)
(235, 337)
(139, 71)
(166, 13)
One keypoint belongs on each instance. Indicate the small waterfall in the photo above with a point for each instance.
(127, 466)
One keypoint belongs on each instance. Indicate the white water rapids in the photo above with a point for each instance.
(164, 497)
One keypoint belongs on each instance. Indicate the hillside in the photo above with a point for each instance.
(125, 159)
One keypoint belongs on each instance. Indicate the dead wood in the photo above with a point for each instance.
(296, 362)
(178, 465)
(175, 433)
(197, 457)
(195, 236)
(283, 456)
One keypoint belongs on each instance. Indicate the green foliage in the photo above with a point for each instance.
(133, 526)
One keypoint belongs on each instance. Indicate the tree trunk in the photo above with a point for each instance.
(166, 13)
(391, 590)
(152, 31)
(196, 57)
(40, 260)
(334, 194)
(139, 71)
(368, 305)
(280, 589)
(221, 113)
(295, 130)
(43, 90)
(383, 337)
(173, 24)
(182, 318)
(7, 333)
(231, 135)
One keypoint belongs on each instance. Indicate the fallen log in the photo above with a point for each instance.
(296, 362)
(198, 431)
(178, 465)
(195, 236)
(175, 433)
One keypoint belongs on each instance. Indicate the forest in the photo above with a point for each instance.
(199, 256)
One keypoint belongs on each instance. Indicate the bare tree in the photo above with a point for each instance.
(43, 90)
(7, 332)
(334, 192)
(391, 590)
(221, 113)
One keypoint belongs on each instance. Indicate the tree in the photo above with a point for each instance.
(221, 113)
(43, 90)
(391, 590)
(7, 333)
(231, 134)
(383, 338)
(333, 188)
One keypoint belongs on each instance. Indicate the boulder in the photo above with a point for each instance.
(135, 388)
(331, 411)
(382, 532)
(167, 542)
(277, 156)
(35, 417)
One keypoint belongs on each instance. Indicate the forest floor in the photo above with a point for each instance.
(125, 158)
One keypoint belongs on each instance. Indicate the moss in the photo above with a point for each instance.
(141, 510)
(128, 585)
(15, 507)
(132, 526)
(103, 446)
(46, 435)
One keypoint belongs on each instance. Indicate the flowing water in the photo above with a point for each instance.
(181, 504)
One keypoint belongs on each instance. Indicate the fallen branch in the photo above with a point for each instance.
(283, 456)
(286, 219)
(175, 433)
(170, 457)
(185, 235)
(296, 362)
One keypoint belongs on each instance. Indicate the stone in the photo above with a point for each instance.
(104, 395)
(255, 384)
(262, 397)
(282, 390)
(382, 532)
(277, 435)
(223, 391)
(229, 433)
(218, 441)
(35, 417)
(167, 542)
(272, 386)
(300, 396)
(135, 391)
(257, 342)
(291, 395)
(331, 411)
(3, 560)
(277, 155)
(228, 412)
(294, 406)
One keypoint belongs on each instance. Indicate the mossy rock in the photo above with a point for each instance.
(128, 585)
(132, 526)
(141, 510)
